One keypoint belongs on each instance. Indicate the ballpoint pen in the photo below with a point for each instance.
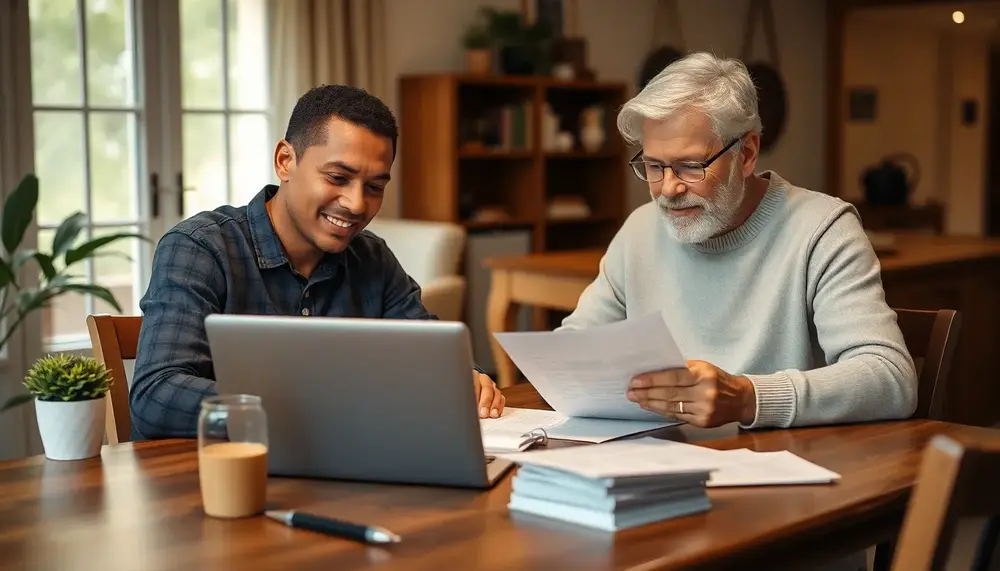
(329, 526)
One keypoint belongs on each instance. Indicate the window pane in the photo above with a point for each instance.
(110, 52)
(201, 54)
(247, 54)
(250, 168)
(115, 268)
(66, 315)
(55, 54)
(113, 166)
(59, 164)
(204, 162)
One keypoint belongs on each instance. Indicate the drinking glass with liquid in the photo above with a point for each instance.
(232, 455)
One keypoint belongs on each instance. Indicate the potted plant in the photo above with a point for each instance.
(522, 48)
(478, 49)
(59, 271)
(69, 402)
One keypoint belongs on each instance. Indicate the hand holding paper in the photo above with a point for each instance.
(586, 373)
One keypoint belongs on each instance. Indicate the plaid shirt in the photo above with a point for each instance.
(231, 261)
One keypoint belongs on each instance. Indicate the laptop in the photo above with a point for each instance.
(375, 400)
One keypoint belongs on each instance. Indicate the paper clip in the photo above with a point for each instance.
(536, 436)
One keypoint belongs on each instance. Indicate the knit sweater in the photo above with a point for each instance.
(792, 299)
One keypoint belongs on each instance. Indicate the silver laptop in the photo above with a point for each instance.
(374, 400)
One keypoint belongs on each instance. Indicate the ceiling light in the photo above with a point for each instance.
(958, 16)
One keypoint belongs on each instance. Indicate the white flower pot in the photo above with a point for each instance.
(71, 430)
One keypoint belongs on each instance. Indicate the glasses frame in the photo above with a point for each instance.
(663, 170)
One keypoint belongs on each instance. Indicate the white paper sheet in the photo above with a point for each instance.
(649, 456)
(586, 373)
(498, 432)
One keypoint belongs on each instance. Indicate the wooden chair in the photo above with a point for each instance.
(116, 338)
(930, 338)
(957, 479)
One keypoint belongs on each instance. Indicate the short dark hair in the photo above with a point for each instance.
(307, 125)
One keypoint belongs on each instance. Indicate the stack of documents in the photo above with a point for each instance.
(519, 428)
(619, 485)
(610, 486)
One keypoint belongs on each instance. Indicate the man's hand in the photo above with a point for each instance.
(702, 395)
(488, 396)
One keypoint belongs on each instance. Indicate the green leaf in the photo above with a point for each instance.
(16, 401)
(18, 212)
(86, 250)
(67, 233)
(44, 261)
(20, 258)
(32, 299)
(96, 291)
(6, 274)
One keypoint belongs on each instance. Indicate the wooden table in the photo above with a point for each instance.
(921, 272)
(138, 507)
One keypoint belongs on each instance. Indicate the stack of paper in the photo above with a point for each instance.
(618, 485)
(519, 428)
(610, 486)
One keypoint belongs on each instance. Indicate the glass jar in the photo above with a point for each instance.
(232, 455)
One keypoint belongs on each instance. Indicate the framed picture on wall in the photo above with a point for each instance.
(862, 104)
(550, 12)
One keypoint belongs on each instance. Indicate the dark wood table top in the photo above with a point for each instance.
(138, 507)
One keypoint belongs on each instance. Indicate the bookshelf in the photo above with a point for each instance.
(479, 150)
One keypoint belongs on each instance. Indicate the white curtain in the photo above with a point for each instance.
(317, 42)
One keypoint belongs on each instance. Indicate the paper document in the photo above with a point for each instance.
(651, 456)
(585, 373)
(515, 422)
(748, 468)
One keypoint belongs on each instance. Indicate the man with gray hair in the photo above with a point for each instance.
(772, 290)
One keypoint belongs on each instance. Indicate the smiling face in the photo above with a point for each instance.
(696, 211)
(336, 187)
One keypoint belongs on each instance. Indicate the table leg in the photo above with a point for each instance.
(501, 316)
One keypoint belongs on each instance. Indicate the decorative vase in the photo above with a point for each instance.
(71, 430)
(479, 61)
(592, 133)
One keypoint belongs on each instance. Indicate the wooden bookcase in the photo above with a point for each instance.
(474, 141)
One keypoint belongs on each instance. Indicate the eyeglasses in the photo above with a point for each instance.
(687, 171)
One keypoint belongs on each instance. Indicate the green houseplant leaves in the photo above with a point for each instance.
(55, 268)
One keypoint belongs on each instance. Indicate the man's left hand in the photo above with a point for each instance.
(489, 397)
(701, 395)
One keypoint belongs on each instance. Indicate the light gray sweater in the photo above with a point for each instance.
(792, 299)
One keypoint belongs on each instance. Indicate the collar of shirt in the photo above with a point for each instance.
(267, 246)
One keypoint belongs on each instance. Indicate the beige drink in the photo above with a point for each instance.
(233, 478)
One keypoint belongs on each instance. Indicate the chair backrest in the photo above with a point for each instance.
(957, 479)
(116, 339)
(426, 250)
(930, 337)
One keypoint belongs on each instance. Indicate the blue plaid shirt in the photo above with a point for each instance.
(231, 261)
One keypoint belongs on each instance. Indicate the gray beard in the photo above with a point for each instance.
(716, 215)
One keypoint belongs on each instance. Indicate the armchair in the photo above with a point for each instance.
(430, 252)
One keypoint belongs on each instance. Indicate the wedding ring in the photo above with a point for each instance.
(680, 407)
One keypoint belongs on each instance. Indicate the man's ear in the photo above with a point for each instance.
(750, 152)
(285, 161)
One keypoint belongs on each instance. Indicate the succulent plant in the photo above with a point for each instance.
(68, 378)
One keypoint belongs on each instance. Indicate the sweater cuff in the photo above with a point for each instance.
(775, 396)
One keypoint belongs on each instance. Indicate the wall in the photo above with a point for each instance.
(918, 112)
(422, 40)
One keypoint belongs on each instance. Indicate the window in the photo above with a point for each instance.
(97, 150)
(86, 130)
(227, 145)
